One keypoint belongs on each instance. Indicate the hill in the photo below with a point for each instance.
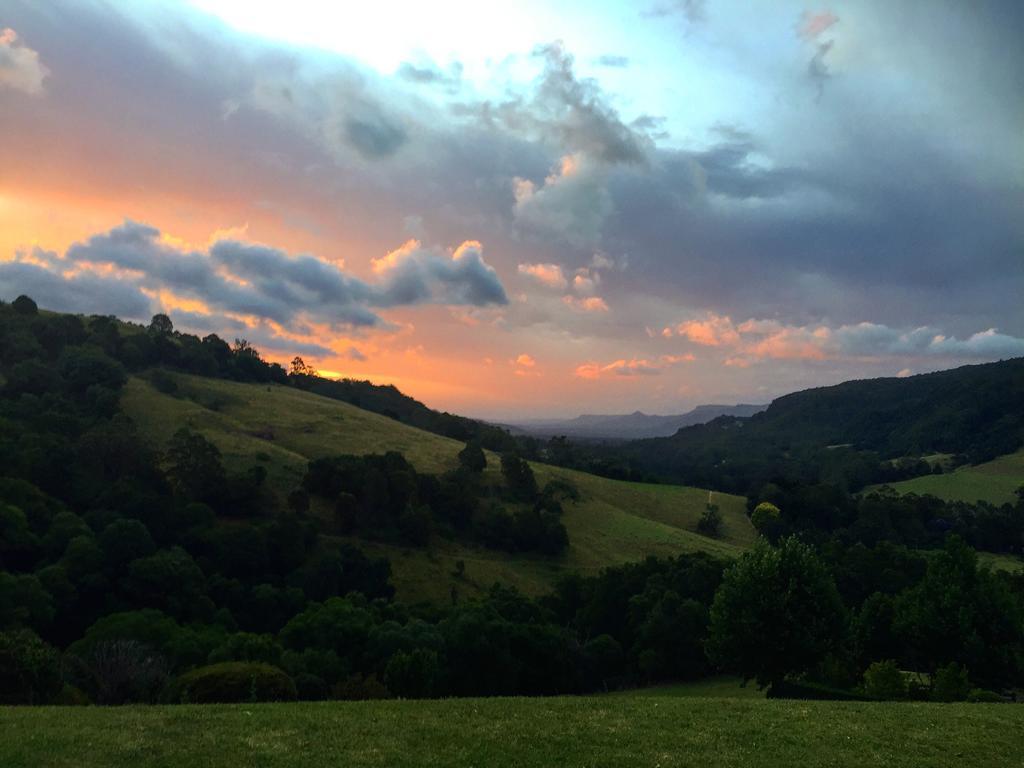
(630, 730)
(281, 428)
(631, 426)
(843, 433)
(995, 481)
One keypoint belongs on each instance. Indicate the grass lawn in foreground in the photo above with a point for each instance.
(594, 731)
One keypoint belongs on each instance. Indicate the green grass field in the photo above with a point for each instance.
(283, 428)
(614, 731)
(994, 481)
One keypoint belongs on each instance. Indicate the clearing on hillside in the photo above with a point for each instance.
(282, 428)
(994, 481)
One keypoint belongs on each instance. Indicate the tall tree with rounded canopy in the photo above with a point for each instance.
(777, 612)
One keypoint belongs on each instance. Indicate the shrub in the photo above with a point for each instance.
(29, 669)
(70, 696)
(231, 682)
(710, 523)
(118, 671)
(950, 683)
(413, 675)
(359, 688)
(883, 680)
(982, 696)
(310, 687)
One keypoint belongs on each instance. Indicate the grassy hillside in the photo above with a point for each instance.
(635, 730)
(994, 481)
(282, 428)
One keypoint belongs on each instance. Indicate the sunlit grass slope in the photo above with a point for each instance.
(283, 428)
(994, 481)
(592, 731)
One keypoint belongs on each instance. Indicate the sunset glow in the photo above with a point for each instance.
(513, 211)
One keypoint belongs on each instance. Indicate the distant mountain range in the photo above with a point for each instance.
(629, 426)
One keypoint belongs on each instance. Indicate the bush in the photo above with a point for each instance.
(413, 675)
(884, 680)
(232, 682)
(710, 523)
(70, 696)
(359, 688)
(950, 683)
(29, 669)
(981, 696)
(118, 671)
(310, 687)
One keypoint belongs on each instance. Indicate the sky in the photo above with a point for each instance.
(529, 209)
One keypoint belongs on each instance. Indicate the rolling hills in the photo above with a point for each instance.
(281, 428)
(840, 433)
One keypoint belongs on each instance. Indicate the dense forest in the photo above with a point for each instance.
(136, 573)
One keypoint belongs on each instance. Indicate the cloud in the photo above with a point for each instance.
(631, 368)
(550, 275)
(711, 331)
(694, 11)
(80, 292)
(810, 29)
(431, 75)
(415, 275)
(575, 113)
(586, 304)
(20, 67)
(812, 25)
(611, 60)
(375, 136)
(249, 279)
(352, 353)
(572, 203)
(758, 339)
(525, 361)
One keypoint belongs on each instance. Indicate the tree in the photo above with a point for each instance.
(23, 305)
(777, 612)
(161, 325)
(765, 517)
(518, 477)
(472, 457)
(300, 368)
(195, 466)
(710, 523)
